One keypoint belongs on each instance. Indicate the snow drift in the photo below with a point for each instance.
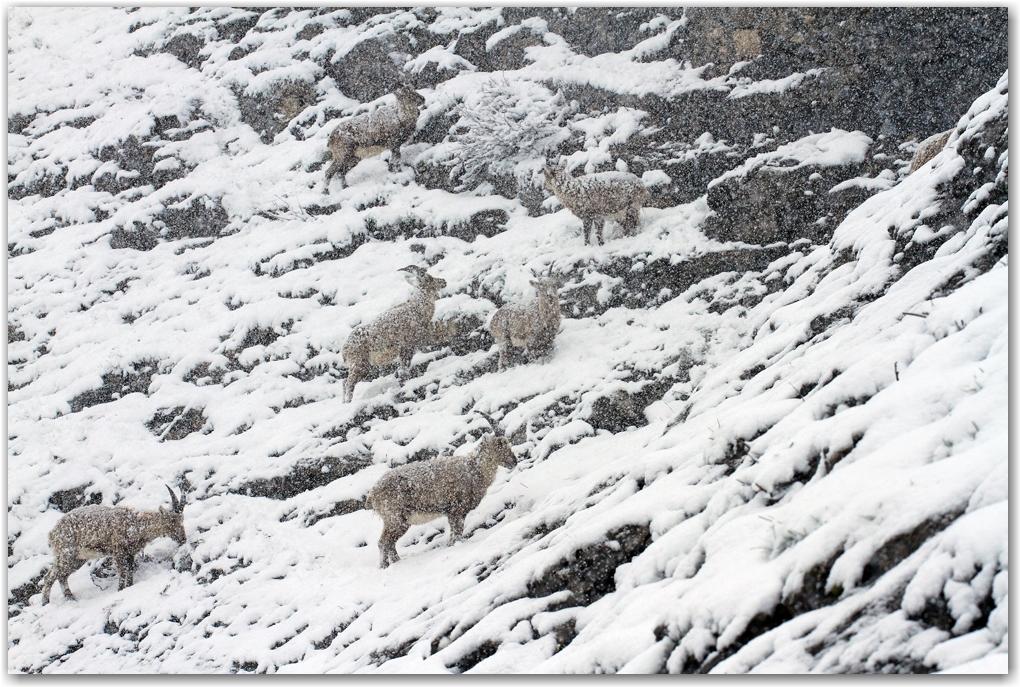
(788, 457)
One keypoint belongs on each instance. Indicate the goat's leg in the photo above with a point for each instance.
(506, 352)
(331, 171)
(456, 528)
(66, 589)
(339, 156)
(388, 542)
(587, 229)
(347, 163)
(121, 572)
(395, 158)
(599, 224)
(503, 345)
(124, 572)
(344, 161)
(48, 581)
(355, 373)
(632, 220)
(404, 369)
(60, 571)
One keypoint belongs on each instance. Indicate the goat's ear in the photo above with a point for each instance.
(536, 283)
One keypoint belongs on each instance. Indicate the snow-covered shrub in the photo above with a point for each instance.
(504, 126)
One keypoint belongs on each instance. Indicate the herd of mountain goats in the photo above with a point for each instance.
(419, 492)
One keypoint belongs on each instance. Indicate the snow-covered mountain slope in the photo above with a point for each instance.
(777, 456)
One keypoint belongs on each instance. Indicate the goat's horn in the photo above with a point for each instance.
(173, 499)
(496, 429)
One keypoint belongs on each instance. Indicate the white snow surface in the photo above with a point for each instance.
(787, 451)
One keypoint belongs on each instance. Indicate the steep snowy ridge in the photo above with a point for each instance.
(788, 457)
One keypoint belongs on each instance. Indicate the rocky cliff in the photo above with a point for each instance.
(771, 436)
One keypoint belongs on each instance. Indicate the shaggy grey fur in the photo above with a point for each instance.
(365, 135)
(532, 325)
(596, 197)
(95, 531)
(449, 485)
(397, 333)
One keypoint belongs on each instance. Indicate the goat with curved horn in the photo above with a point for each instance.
(395, 334)
(176, 506)
(95, 531)
(496, 428)
(450, 486)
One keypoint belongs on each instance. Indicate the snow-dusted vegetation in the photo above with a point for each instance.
(771, 434)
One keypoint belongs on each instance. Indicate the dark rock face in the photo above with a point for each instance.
(621, 410)
(202, 217)
(886, 71)
(596, 30)
(306, 476)
(645, 283)
(117, 384)
(894, 71)
(371, 70)
(236, 29)
(590, 573)
(784, 201)
(982, 181)
(68, 499)
(186, 48)
(271, 112)
(173, 424)
(140, 238)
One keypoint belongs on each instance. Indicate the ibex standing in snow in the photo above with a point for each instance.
(397, 333)
(95, 531)
(597, 197)
(450, 485)
(532, 325)
(366, 135)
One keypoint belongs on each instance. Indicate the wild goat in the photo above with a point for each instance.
(367, 135)
(450, 485)
(929, 148)
(397, 333)
(532, 325)
(597, 197)
(95, 531)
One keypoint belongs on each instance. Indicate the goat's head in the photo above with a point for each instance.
(407, 94)
(423, 280)
(172, 521)
(497, 445)
(547, 286)
(498, 448)
(553, 172)
(413, 274)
